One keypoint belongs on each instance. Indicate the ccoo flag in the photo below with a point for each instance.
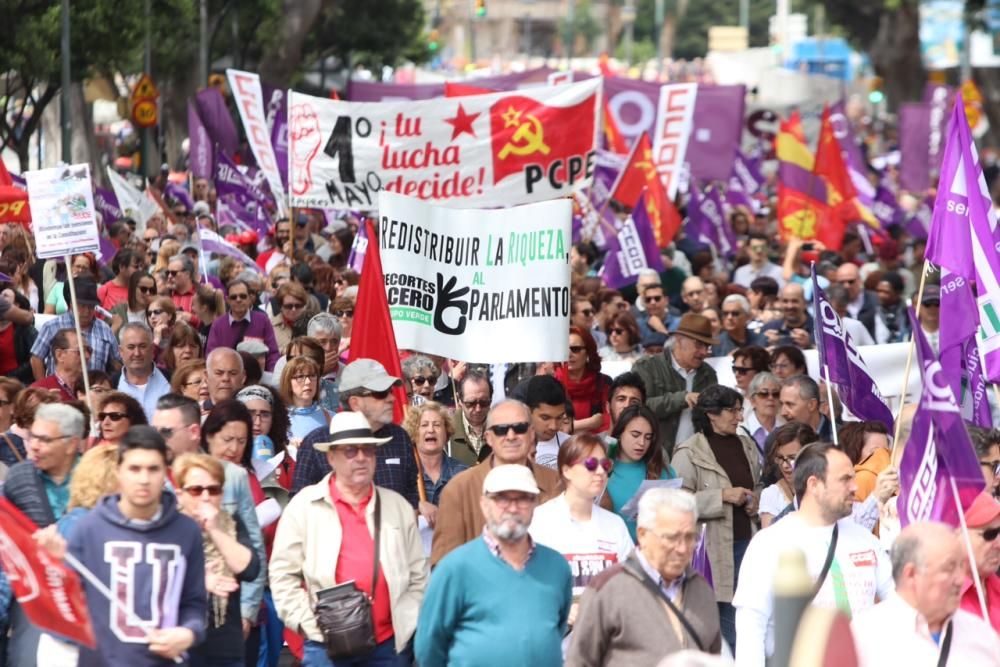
(959, 350)
(963, 232)
(632, 250)
(939, 452)
(839, 355)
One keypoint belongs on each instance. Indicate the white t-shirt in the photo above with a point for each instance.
(589, 546)
(864, 563)
(773, 500)
(547, 453)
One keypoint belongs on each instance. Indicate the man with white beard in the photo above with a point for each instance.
(501, 584)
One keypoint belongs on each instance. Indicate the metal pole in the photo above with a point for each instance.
(658, 30)
(472, 32)
(628, 16)
(570, 31)
(147, 132)
(203, 42)
(745, 16)
(64, 106)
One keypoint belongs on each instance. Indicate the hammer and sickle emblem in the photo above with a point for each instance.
(527, 139)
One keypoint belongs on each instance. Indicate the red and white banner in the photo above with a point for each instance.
(674, 120)
(249, 98)
(491, 150)
(49, 592)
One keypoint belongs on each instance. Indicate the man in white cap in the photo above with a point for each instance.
(501, 585)
(345, 531)
(366, 387)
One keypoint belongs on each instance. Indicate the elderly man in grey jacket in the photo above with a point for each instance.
(674, 378)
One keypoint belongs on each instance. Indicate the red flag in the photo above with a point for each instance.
(372, 336)
(49, 592)
(634, 176)
(464, 89)
(663, 215)
(13, 200)
(526, 133)
(614, 137)
(830, 161)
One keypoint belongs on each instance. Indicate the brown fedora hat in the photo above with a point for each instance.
(697, 327)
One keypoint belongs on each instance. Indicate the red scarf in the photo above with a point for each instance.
(588, 395)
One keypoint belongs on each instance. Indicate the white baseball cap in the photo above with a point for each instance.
(512, 477)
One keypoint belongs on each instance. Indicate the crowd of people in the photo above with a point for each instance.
(240, 490)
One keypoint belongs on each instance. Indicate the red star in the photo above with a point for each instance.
(462, 122)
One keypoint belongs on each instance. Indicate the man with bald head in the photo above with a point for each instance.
(922, 623)
(693, 294)
(795, 328)
(511, 438)
(863, 303)
(226, 376)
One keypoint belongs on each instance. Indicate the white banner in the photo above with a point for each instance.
(249, 98)
(491, 150)
(674, 120)
(133, 202)
(473, 285)
(63, 221)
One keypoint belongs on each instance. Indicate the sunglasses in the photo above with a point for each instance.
(420, 380)
(652, 299)
(576, 349)
(154, 312)
(197, 490)
(591, 463)
(768, 394)
(351, 451)
(171, 274)
(586, 312)
(343, 313)
(113, 416)
(992, 465)
(500, 430)
(147, 290)
(742, 370)
(732, 313)
(618, 332)
(238, 297)
(482, 404)
(380, 395)
(292, 306)
(166, 431)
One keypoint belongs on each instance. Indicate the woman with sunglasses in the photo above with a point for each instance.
(584, 383)
(161, 315)
(762, 417)
(117, 413)
(748, 361)
(783, 446)
(299, 389)
(623, 339)
(637, 458)
(421, 375)
(589, 536)
(983, 522)
(290, 303)
(229, 557)
(343, 309)
(141, 291)
(722, 469)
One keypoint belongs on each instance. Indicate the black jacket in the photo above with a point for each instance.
(24, 338)
(25, 490)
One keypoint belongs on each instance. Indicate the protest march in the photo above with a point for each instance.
(422, 372)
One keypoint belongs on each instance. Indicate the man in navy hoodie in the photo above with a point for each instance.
(150, 556)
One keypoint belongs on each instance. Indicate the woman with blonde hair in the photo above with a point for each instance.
(191, 380)
(430, 429)
(161, 315)
(168, 248)
(95, 475)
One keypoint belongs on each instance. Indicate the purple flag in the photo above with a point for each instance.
(107, 205)
(632, 250)
(217, 120)
(706, 210)
(857, 168)
(914, 149)
(230, 212)
(938, 97)
(744, 182)
(593, 217)
(179, 194)
(212, 242)
(959, 351)
(356, 259)
(939, 452)
(276, 111)
(229, 180)
(201, 154)
(106, 251)
(885, 207)
(699, 559)
(19, 181)
(717, 130)
(839, 357)
(918, 225)
(963, 234)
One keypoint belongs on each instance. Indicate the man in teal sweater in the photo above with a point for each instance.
(500, 599)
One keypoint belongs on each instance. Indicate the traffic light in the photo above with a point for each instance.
(480, 8)
(875, 94)
(434, 41)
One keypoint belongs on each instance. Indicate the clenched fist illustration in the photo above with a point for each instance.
(304, 133)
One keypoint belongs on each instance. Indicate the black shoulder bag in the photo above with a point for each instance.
(945, 645)
(657, 591)
(344, 613)
(827, 564)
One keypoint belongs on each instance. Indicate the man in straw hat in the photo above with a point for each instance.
(327, 536)
(674, 378)
(501, 584)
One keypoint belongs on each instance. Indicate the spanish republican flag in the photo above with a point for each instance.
(612, 135)
(841, 193)
(802, 194)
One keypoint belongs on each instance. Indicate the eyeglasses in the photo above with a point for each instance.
(113, 416)
(576, 349)
(344, 313)
(380, 395)
(591, 463)
(238, 297)
(768, 394)
(742, 370)
(171, 274)
(618, 332)
(197, 490)
(500, 430)
(303, 378)
(992, 465)
(4, 403)
(46, 440)
(146, 290)
(351, 451)
(780, 367)
(587, 312)
(482, 404)
(990, 534)
(733, 411)
(732, 313)
(523, 502)
(193, 383)
(673, 539)
(260, 414)
(420, 380)
(166, 431)
(292, 306)
(155, 312)
(758, 247)
(653, 299)
(783, 461)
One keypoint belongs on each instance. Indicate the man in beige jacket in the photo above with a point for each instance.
(326, 538)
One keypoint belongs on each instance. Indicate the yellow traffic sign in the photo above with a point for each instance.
(144, 113)
(145, 89)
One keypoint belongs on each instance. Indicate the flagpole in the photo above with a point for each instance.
(92, 579)
(829, 398)
(81, 342)
(909, 363)
(968, 548)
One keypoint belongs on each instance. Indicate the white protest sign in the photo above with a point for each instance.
(490, 150)
(473, 285)
(249, 98)
(133, 201)
(63, 221)
(674, 120)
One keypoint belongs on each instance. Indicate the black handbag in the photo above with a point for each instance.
(344, 613)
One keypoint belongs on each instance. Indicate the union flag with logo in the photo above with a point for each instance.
(528, 134)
